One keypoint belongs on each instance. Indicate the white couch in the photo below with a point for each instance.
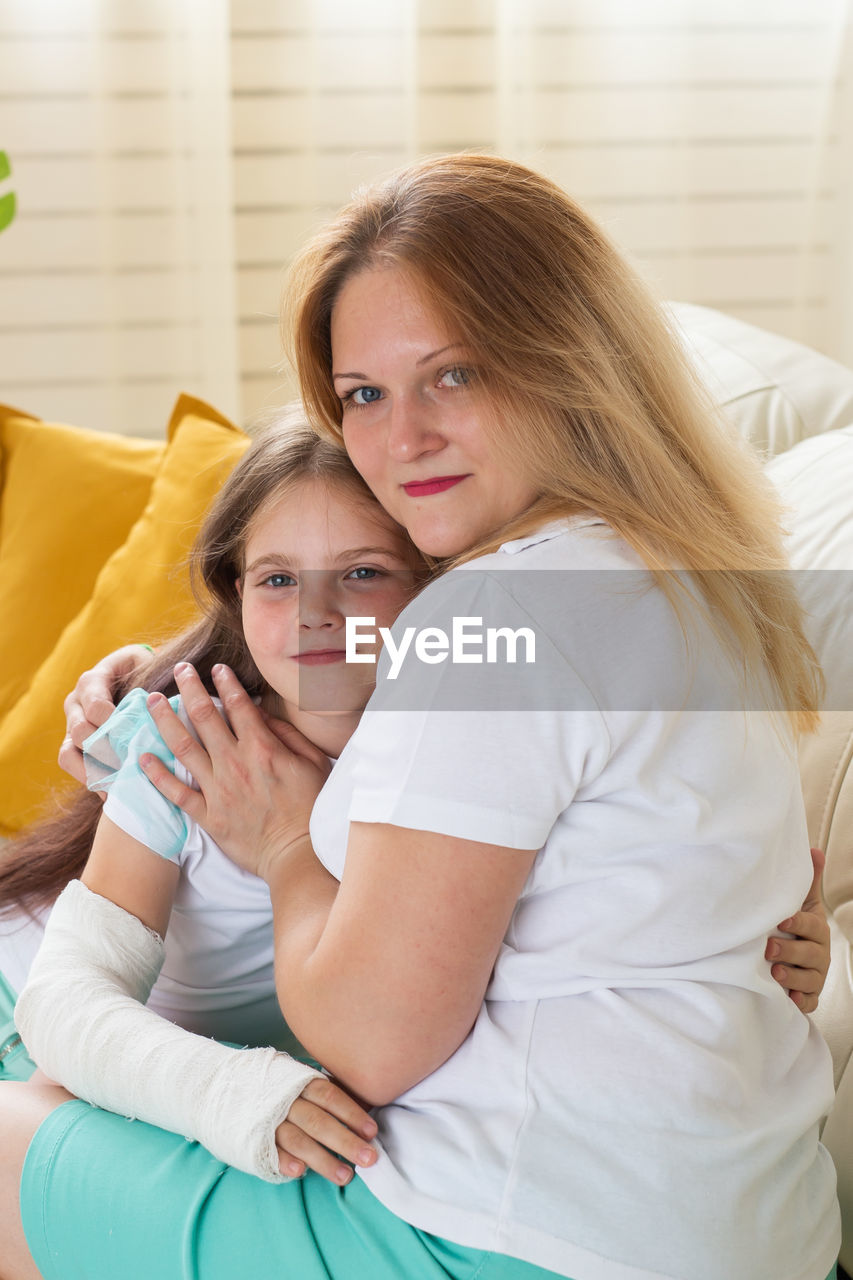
(796, 407)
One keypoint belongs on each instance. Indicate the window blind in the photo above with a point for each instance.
(710, 139)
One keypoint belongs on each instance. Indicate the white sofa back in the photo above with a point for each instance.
(777, 392)
(796, 407)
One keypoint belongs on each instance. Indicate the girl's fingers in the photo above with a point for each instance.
(332, 1098)
(297, 1151)
(289, 1165)
(808, 924)
(804, 1002)
(328, 1132)
(323, 1125)
(807, 981)
(319, 1140)
(798, 954)
(801, 963)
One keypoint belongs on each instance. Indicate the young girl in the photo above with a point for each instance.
(294, 544)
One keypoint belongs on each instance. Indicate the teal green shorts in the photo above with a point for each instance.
(104, 1196)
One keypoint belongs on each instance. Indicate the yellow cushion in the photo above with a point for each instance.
(142, 593)
(60, 482)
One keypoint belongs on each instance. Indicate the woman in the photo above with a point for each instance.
(536, 942)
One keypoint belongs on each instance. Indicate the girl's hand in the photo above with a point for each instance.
(801, 963)
(91, 702)
(258, 778)
(323, 1124)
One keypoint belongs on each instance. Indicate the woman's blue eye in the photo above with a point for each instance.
(365, 395)
(455, 377)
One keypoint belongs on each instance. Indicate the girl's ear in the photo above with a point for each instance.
(238, 587)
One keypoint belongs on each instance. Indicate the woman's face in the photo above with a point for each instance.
(314, 557)
(414, 420)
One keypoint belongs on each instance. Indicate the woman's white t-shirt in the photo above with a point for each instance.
(638, 1097)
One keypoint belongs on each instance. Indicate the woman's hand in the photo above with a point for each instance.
(800, 964)
(91, 702)
(258, 777)
(323, 1124)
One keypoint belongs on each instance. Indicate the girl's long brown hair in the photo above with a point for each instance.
(38, 864)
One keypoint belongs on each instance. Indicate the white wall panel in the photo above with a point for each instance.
(688, 127)
(52, 355)
(693, 141)
(93, 402)
(118, 269)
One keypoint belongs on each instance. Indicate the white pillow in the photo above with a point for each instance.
(815, 480)
(777, 392)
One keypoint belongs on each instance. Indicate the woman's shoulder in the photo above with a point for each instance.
(579, 541)
(579, 563)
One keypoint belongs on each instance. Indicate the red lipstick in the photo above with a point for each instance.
(438, 484)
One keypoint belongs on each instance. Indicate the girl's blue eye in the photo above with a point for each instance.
(364, 574)
(364, 395)
(278, 580)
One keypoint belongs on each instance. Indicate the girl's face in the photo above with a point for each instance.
(413, 417)
(314, 557)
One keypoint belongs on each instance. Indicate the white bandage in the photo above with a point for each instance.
(81, 1018)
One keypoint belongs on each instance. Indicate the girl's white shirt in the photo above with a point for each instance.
(217, 977)
(637, 1098)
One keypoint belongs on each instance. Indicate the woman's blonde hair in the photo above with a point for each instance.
(586, 387)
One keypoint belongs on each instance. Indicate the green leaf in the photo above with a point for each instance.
(7, 210)
(8, 204)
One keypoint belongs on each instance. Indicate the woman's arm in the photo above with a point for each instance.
(381, 977)
(385, 975)
(392, 949)
(82, 1018)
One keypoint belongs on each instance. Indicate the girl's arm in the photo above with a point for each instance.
(82, 1018)
(132, 876)
(801, 963)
